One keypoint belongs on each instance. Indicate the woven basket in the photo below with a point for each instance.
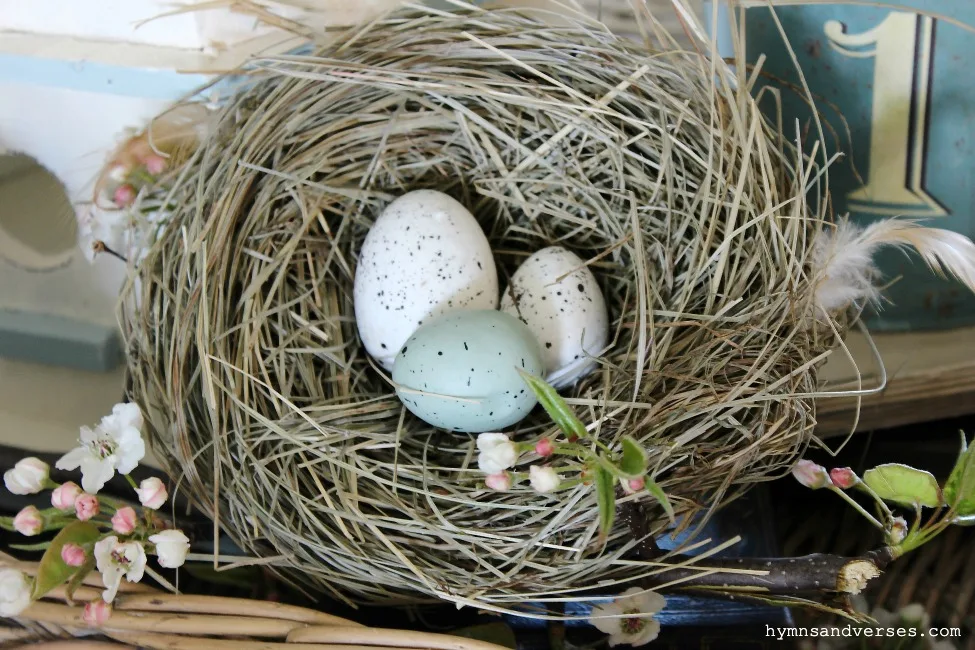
(145, 617)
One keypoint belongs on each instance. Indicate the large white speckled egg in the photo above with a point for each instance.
(425, 255)
(466, 365)
(567, 316)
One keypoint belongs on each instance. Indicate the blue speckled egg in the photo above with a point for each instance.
(465, 362)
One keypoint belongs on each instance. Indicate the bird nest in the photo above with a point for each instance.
(693, 211)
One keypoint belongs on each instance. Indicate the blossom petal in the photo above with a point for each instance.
(88, 435)
(652, 602)
(131, 449)
(650, 631)
(643, 601)
(136, 555)
(487, 440)
(112, 579)
(95, 473)
(73, 459)
(607, 625)
(128, 415)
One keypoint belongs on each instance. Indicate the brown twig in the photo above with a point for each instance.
(818, 573)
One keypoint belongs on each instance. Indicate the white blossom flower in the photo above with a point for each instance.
(171, 548)
(543, 479)
(115, 560)
(152, 493)
(115, 444)
(28, 476)
(498, 453)
(14, 592)
(634, 623)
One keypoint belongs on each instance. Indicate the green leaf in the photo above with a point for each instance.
(40, 546)
(52, 572)
(658, 493)
(606, 497)
(79, 576)
(555, 406)
(499, 634)
(960, 487)
(633, 464)
(904, 485)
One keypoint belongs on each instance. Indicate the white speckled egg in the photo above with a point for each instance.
(568, 317)
(425, 255)
(466, 362)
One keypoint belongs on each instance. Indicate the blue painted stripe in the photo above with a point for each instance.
(88, 76)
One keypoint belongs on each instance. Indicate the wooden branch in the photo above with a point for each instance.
(818, 573)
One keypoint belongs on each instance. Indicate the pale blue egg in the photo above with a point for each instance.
(466, 363)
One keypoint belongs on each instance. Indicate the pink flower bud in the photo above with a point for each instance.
(64, 496)
(810, 474)
(29, 521)
(898, 530)
(124, 195)
(86, 506)
(96, 613)
(152, 493)
(500, 482)
(123, 521)
(544, 447)
(155, 164)
(73, 555)
(843, 477)
(636, 484)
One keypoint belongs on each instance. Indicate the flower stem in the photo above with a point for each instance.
(888, 515)
(131, 481)
(856, 506)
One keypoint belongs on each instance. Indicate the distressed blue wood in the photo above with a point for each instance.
(89, 76)
(58, 341)
(902, 81)
(749, 518)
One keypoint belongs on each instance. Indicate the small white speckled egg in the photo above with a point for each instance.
(568, 317)
(425, 255)
(473, 356)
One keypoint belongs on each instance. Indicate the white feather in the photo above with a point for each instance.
(843, 269)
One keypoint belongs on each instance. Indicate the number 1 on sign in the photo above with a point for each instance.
(903, 45)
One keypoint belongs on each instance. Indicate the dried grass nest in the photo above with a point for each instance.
(694, 212)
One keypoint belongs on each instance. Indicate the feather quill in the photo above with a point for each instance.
(842, 264)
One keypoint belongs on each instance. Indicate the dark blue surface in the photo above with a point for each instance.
(748, 518)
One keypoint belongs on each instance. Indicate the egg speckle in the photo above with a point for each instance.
(466, 363)
(424, 256)
(567, 316)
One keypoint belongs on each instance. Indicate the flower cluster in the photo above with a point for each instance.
(95, 532)
(498, 454)
(951, 502)
(584, 460)
(129, 206)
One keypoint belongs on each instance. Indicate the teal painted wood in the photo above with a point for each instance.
(903, 81)
(59, 341)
